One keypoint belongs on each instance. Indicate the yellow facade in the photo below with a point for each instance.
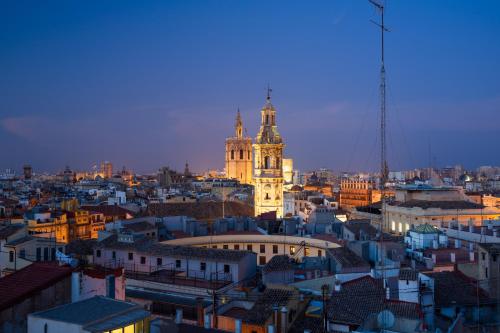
(239, 155)
(268, 169)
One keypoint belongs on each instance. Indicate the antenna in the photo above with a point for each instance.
(269, 91)
(383, 152)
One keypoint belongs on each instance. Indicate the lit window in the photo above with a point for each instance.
(128, 329)
(292, 249)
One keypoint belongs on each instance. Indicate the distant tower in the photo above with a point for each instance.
(28, 171)
(239, 154)
(107, 169)
(187, 173)
(268, 171)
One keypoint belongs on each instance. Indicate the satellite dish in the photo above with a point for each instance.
(385, 319)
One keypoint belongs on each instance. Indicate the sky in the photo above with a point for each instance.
(146, 84)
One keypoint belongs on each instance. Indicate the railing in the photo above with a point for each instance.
(169, 274)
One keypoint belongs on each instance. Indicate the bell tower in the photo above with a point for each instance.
(239, 154)
(268, 170)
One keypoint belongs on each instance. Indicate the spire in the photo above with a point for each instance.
(239, 125)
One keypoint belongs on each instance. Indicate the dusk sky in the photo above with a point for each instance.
(147, 84)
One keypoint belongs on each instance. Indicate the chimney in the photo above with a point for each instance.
(483, 231)
(435, 244)
(276, 318)
(452, 256)
(237, 326)
(490, 225)
(471, 256)
(471, 228)
(434, 258)
(75, 287)
(495, 233)
(110, 285)
(337, 286)
(206, 321)
(471, 246)
(178, 316)
(284, 319)
(200, 315)
(270, 328)
(457, 243)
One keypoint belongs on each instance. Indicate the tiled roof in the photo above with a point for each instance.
(29, 280)
(426, 228)
(200, 210)
(109, 210)
(278, 264)
(81, 246)
(139, 226)
(454, 288)
(263, 307)
(357, 299)
(348, 258)
(148, 246)
(427, 204)
(361, 226)
(408, 274)
(9, 230)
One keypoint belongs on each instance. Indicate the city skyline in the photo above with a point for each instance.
(76, 93)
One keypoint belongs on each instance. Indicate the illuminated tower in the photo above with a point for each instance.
(268, 170)
(239, 154)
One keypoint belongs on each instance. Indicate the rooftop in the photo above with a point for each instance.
(96, 314)
(279, 263)
(148, 246)
(263, 307)
(9, 230)
(348, 258)
(428, 204)
(426, 229)
(200, 210)
(22, 284)
(359, 298)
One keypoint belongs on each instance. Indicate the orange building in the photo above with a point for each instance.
(355, 193)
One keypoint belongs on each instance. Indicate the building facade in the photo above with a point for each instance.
(355, 193)
(239, 154)
(268, 170)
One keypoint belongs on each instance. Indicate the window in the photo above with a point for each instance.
(113, 255)
(267, 119)
(236, 246)
(241, 154)
(486, 272)
(320, 253)
(232, 154)
(143, 260)
(214, 246)
(38, 254)
(153, 234)
(266, 162)
(275, 249)
(292, 250)
(178, 263)
(159, 262)
(227, 269)
(306, 251)
(249, 247)
(130, 256)
(262, 260)
(98, 253)
(22, 253)
(483, 255)
(262, 248)
(203, 266)
(249, 154)
(11, 256)
(277, 162)
(225, 246)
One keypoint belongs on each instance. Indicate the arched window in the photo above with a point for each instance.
(241, 154)
(266, 162)
(277, 162)
(267, 119)
(232, 154)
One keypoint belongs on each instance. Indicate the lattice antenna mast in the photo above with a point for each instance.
(384, 169)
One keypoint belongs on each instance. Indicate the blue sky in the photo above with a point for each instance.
(152, 83)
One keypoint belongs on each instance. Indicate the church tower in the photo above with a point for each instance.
(268, 170)
(239, 154)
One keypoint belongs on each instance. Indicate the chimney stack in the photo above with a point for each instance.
(452, 257)
(75, 287)
(237, 326)
(178, 316)
(270, 328)
(284, 319)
